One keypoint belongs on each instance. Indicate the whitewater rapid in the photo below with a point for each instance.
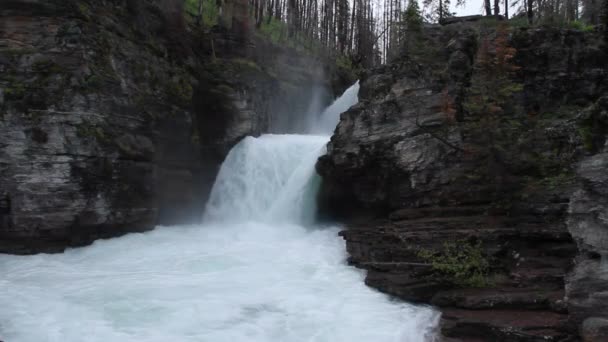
(257, 269)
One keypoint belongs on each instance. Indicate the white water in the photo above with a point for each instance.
(269, 179)
(327, 121)
(256, 270)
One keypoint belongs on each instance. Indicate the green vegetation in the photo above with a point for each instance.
(563, 112)
(496, 136)
(88, 130)
(587, 137)
(519, 22)
(210, 12)
(14, 89)
(93, 82)
(274, 29)
(84, 11)
(559, 180)
(46, 68)
(581, 26)
(179, 90)
(461, 263)
(346, 67)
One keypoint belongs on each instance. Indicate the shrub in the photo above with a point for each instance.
(581, 26)
(210, 11)
(461, 263)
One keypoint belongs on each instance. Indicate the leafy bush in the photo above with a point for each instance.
(210, 12)
(461, 263)
(581, 26)
(274, 29)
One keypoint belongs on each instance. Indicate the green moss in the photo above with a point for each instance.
(489, 22)
(559, 180)
(46, 66)
(84, 11)
(93, 82)
(244, 64)
(461, 263)
(519, 22)
(562, 112)
(88, 130)
(225, 89)
(179, 90)
(14, 90)
(587, 137)
(16, 51)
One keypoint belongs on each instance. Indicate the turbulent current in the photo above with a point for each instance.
(256, 269)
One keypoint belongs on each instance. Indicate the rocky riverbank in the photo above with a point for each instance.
(493, 214)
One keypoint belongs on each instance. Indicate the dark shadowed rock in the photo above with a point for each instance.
(595, 329)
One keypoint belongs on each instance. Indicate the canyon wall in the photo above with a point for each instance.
(472, 176)
(115, 115)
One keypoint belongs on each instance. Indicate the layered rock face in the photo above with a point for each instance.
(482, 228)
(587, 285)
(114, 117)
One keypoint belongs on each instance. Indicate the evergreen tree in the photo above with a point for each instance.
(440, 9)
(412, 23)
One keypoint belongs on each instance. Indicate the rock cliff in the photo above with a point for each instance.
(456, 174)
(115, 115)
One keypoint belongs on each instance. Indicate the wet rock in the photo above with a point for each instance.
(595, 329)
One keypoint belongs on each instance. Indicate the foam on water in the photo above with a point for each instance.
(256, 270)
(228, 282)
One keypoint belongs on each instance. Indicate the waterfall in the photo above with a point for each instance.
(329, 118)
(271, 178)
(257, 269)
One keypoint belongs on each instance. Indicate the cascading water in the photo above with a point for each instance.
(255, 270)
(327, 121)
(270, 179)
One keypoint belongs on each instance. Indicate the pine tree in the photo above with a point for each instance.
(412, 22)
(441, 9)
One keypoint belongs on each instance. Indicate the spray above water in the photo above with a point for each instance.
(254, 271)
(329, 118)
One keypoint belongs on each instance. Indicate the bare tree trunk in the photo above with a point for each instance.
(530, 11)
(488, 7)
(199, 17)
(352, 27)
(506, 9)
(496, 7)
